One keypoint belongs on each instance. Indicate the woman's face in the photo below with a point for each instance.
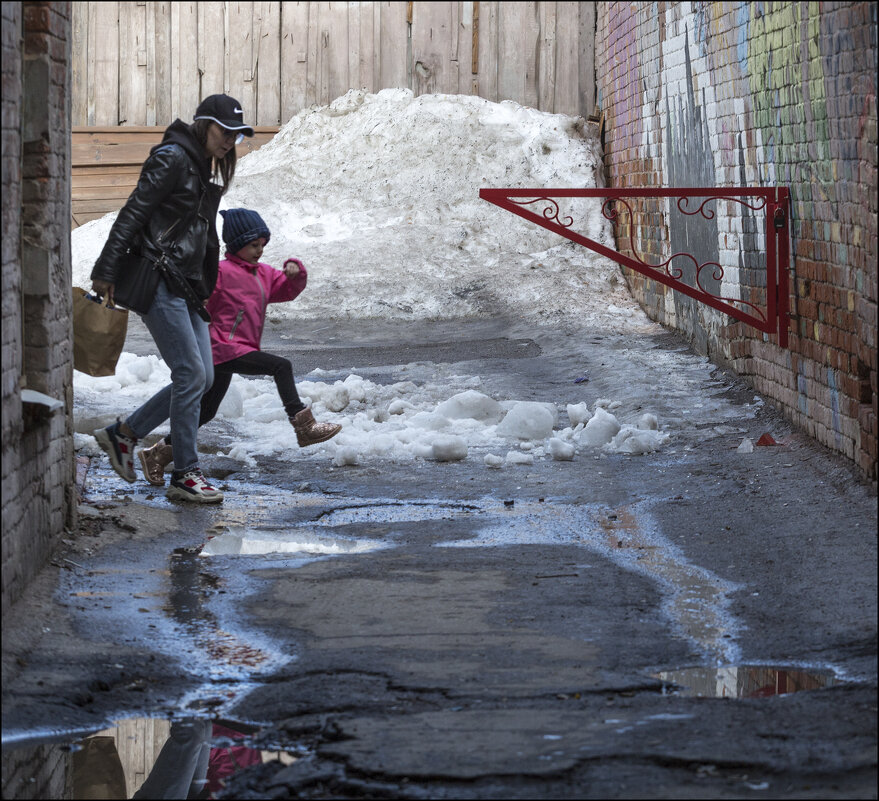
(219, 141)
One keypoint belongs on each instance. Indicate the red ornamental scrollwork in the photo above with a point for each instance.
(551, 213)
(708, 214)
(674, 271)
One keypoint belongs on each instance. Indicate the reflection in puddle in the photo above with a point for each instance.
(142, 758)
(743, 681)
(252, 542)
(696, 599)
(190, 592)
(236, 534)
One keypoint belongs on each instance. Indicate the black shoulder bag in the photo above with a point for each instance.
(136, 281)
(139, 276)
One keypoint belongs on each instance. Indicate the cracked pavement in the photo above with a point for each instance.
(484, 633)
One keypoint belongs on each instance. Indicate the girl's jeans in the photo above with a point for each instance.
(184, 343)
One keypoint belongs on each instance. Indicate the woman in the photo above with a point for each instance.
(172, 213)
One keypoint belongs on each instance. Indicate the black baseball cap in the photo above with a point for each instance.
(226, 112)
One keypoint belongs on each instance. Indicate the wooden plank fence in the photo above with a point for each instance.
(106, 163)
(137, 66)
(146, 63)
(138, 743)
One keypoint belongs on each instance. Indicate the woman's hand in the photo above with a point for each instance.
(102, 288)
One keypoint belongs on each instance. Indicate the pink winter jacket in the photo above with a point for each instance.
(238, 304)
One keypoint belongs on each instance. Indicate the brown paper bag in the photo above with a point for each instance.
(98, 334)
(97, 770)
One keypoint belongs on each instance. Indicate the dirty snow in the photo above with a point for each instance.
(378, 194)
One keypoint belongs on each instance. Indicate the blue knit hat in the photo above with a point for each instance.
(241, 226)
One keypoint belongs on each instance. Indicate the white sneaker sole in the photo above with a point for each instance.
(177, 494)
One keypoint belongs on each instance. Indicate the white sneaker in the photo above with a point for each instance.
(192, 486)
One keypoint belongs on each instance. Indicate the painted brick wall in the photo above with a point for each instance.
(757, 94)
(38, 472)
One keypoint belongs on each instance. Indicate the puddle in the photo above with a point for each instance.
(116, 762)
(744, 681)
(229, 656)
(234, 538)
(696, 601)
(153, 757)
(253, 542)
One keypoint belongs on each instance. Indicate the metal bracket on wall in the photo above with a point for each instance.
(770, 317)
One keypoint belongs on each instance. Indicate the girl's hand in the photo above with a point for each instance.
(293, 268)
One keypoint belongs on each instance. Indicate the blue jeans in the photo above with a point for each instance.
(180, 770)
(185, 345)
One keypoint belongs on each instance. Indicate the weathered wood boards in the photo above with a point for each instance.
(145, 63)
(138, 66)
(106, 163)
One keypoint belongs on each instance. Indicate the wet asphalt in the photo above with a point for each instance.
(463, 632)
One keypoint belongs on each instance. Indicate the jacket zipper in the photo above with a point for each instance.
(167, 231)
(237, 322)
(262, 291)
(173, 224)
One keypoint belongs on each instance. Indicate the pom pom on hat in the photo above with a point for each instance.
(241, 226)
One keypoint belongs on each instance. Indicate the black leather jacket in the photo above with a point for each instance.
(173, 208)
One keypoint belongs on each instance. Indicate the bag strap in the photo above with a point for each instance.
(183, 286)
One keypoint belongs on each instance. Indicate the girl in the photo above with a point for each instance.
(245, 287)
(172, 211)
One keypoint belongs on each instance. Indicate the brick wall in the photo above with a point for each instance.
(758, 94)
(38, 473)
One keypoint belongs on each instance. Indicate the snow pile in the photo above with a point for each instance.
(527, 421)
(427, 422)
(137, 378)
(379, 196)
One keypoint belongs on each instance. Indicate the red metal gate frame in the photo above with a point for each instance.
(775, 201)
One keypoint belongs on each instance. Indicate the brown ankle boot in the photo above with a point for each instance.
(154, 461)
(309, 431)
